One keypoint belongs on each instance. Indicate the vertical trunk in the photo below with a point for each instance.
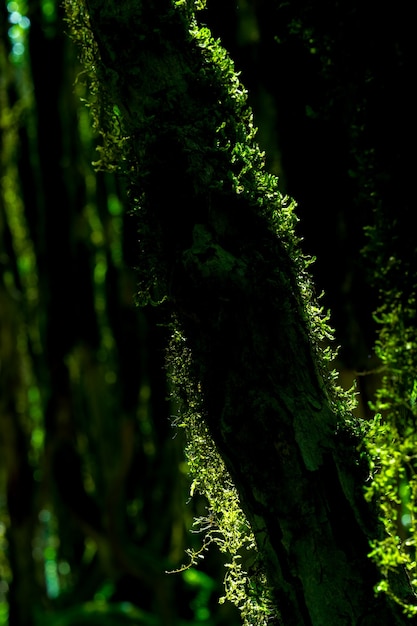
(217, 242)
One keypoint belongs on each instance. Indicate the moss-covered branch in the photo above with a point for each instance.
(220, 256)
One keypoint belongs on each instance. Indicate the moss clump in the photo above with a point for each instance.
(225, 524)
(392, 443)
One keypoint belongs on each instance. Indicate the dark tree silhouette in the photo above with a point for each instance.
(220, 257)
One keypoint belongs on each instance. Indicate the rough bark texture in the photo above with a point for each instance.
(231, 283)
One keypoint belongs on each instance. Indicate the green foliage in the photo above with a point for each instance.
(392, 444)
(392, 439)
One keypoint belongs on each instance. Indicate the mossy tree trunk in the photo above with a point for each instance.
(219, 255)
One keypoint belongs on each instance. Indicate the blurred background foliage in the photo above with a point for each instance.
(93, 483)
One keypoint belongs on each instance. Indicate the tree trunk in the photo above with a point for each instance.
(216, 248)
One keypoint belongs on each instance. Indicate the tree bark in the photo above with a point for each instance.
(213, 256)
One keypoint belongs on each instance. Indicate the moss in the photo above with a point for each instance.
(189, 135)
(225, 524)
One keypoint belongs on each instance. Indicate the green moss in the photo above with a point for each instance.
(392, 445)
(392, 437)
(225, 524)
(216, 174)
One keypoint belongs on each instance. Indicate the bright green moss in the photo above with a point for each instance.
(221, 158)
(392, 438)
